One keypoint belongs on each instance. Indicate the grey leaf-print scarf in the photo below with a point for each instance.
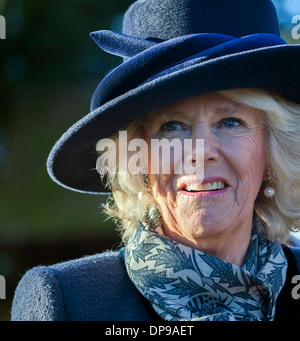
(185, 284)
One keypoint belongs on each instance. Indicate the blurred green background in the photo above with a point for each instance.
(49, 68)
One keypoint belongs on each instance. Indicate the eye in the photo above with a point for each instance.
(231, 122)
(172, 126)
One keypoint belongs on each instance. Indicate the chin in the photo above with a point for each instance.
(202, 224)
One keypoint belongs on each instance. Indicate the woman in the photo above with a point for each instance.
(206, 220)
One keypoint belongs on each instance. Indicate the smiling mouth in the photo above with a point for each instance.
(210, 186)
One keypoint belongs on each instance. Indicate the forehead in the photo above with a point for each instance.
(209, 102)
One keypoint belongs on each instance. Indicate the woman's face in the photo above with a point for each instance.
(220, 207)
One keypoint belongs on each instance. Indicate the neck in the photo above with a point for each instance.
(231, 250)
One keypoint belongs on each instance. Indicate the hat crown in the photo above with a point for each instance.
(159, 20)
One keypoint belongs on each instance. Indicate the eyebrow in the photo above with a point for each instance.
(229, 108)
(223, 109)
(171, 113)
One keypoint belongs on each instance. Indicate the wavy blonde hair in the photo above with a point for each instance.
(281, 213)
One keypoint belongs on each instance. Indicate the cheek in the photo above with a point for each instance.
(162, 189)
(248, 159)
(163, 182)
(165, 197)
(163, 166)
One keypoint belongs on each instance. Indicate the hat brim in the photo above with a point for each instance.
(72, 161)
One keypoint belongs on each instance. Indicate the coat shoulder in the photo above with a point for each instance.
(38, 297)
(86, 289)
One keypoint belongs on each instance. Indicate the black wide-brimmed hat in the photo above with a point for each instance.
(174, 49)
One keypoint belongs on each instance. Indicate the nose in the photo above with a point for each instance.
(204, 151)
(210, 149)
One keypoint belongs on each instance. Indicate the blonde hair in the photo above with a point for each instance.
(281, 214)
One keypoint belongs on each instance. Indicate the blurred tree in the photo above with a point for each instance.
(49, 70)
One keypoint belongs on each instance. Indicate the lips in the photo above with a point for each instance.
(208, 185)
(211, 186)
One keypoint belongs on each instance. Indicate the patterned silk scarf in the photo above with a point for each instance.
(185, 284)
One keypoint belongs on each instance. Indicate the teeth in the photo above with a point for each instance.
(205, 187)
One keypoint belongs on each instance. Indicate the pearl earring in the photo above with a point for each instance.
(140, 196)
(269, 192)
